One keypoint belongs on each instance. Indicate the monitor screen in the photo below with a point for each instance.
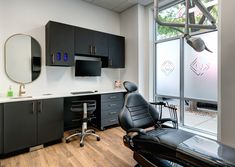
(87, 68)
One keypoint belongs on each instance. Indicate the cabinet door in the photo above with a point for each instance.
(50, 120)
(100, 44)
(59, 44)
(1, 129)
(83, 41)
(116, 51)
(19, 125)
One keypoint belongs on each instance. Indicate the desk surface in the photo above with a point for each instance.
(57, 95)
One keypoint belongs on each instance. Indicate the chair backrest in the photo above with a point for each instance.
(137, 112)
(78, 106)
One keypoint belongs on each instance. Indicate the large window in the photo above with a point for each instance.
(185, 78)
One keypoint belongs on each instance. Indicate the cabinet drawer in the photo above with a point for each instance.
(110, 113)
(111, 105)
(112, 97)
(110, 121)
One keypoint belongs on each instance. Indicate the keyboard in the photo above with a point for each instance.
(83, 92)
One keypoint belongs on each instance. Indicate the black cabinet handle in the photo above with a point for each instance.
(94, 49)
(33, 108)
(110, 62)
(91, 49)
(53, 58)
(40, 106)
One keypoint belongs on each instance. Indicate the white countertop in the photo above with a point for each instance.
(56, 95)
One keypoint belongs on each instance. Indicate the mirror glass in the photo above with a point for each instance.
(22, 58)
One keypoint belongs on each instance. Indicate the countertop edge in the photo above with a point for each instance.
(58, 95)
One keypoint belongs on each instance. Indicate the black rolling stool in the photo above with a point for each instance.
(85, 110)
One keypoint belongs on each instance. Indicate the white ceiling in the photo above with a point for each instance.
(118, 5)
(121, 5)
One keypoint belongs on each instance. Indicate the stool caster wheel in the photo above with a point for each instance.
(81, 144)
(98, 138)
(67, 141)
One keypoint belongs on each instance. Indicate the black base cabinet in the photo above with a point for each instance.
(50, 120)
(31, 123)
(19, 126)
(111, 105)
(1, 129)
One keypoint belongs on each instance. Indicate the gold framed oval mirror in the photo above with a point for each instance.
(22, 58)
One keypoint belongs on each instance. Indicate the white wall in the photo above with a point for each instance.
(227, 73)
(135, 26)
(30, 17)
(129, 29)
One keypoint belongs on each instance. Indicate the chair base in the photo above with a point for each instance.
(82, 136)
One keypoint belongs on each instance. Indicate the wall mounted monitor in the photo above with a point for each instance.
(88, 68)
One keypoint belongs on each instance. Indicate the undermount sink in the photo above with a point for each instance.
(22, 97)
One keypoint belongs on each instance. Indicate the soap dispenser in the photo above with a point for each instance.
(9, 92)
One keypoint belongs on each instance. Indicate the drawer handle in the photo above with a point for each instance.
(39, 106)
(111, 113)
(91, 49)
(33, 108)
(53, 58)
(111, 105)
(113, 120)
(75, 120)
(113, 97)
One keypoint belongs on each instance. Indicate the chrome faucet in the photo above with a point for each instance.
(22, 90)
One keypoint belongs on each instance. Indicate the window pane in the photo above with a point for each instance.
(168, 68)
(201, 115)
(170, 101)
(200, 70)
(174, 14)
(177, 14)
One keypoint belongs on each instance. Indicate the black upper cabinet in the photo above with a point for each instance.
(91, 43)
(116, 51)
(83, 41)
(59, 44)
(100, 44)
(64, 41)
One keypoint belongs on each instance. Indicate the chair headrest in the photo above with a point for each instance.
(130, 87)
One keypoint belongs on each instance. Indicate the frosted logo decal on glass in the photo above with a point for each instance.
(167, 67)
(199, 68)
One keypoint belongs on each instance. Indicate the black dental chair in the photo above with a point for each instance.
(157, 145)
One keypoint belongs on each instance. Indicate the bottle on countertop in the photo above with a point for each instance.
(10, 92)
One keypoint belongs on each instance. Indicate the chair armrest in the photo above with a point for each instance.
(138, 130)
(163, 120)
(158, 103)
